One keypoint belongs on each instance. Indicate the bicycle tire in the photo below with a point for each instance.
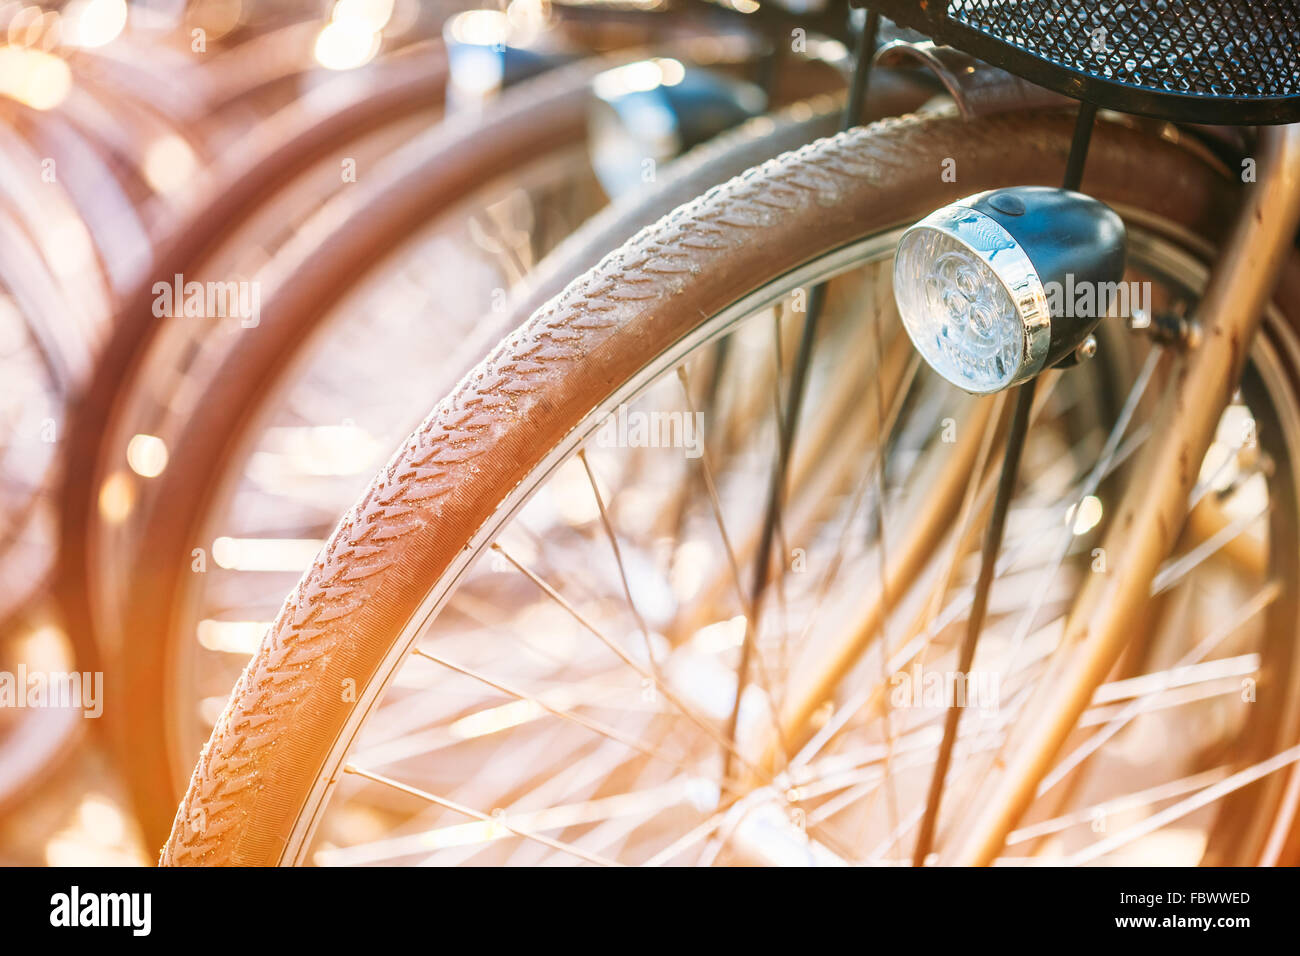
(268, 766)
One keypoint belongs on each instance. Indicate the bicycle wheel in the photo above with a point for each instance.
(186, 650)
(569, 697)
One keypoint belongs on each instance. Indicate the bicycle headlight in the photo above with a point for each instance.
(488, 51)
(654, 110)
(986, 287)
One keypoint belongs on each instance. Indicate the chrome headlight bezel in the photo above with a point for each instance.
(1026, 244)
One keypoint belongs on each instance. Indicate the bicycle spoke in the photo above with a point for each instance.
(618, 561)
(494, 821)
(1181, 809)
(1179, 568)
(715, 506)
(594, 726)
(1128, 802)
(1256, 605)
(686, 711)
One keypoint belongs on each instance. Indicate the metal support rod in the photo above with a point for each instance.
(861, 70)
(979, 606)
(993, 535)
(1079, 146)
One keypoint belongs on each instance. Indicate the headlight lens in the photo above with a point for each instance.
(971, 301)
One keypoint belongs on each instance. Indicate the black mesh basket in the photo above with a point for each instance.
(1217, 61)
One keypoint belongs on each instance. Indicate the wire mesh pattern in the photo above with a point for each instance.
(1218, 48)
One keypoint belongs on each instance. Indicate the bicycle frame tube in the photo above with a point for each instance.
(1154, 506)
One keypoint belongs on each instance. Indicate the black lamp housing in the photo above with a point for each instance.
(1075, 244)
